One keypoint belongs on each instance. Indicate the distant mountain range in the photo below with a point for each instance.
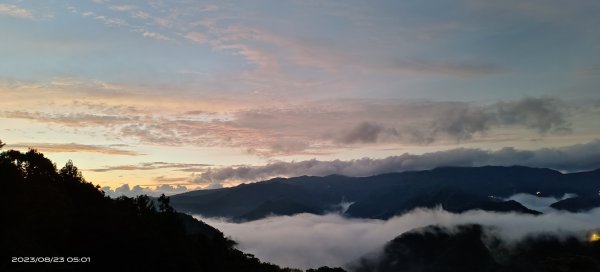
(51, 213)
(455, 189)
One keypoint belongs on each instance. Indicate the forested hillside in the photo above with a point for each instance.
(52, 215)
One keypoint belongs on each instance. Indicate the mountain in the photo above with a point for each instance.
(472, 248)
(55, 215)
(577, 204)
(279, 207)
(456, 189)
(434, 249)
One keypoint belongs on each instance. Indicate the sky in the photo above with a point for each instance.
(168, 96)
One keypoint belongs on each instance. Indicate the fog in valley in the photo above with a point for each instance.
(310, 241)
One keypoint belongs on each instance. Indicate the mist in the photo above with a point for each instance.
(310, 241)
(540, 204)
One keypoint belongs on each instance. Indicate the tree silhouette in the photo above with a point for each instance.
(69, 172)
(163, 204)
(50, 212)
(1, 144)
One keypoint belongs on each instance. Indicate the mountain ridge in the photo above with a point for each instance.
(385, 195)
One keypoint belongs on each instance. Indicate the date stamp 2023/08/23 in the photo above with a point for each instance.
(30, 259)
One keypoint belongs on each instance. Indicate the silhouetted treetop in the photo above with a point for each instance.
(163, 204)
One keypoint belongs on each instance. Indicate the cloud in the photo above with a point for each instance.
(462, 121)
(569, 158)
(170, 179)
(209, 8)
(196, 37)
(544, 114)
(155, 35)
(418, 122)
(310, 241)
(314, 127)
(70, 119)
(73, 147)
(140, 14)
(185, 167)
(120, 122)
(455, 69)
(15, 11)
(538, 203)
(326, 57)
(123, 7)
(268, 49)
(266, 62)
(125, 190)
(365, 132)
(112, 21)
(288, 50)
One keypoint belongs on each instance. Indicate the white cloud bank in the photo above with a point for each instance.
(310, 241)
(577, 157)
(540, 204)
(125, 190)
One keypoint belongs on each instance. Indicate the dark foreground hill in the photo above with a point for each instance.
(456, 189)
(471, 248)
(51, 215)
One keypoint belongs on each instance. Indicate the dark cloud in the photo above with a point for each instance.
(456, 69)
(543, 114)
(570, 158)
(365, 132)
(460, 121)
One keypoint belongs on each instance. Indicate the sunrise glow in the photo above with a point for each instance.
(197, 94)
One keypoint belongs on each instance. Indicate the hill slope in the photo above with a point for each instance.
(577, 204)
(50, 213)
(471, 248)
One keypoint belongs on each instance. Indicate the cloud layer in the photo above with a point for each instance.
(460, 121)
(15, 11)
(570, 158)
(311, 241)
(538, 203)
(126, 190)
(318, 127)
(73, 147)
(184, 167)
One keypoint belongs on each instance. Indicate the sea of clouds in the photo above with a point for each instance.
(310, 241)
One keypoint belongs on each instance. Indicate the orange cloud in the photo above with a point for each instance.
(184, 167)
(73, 147)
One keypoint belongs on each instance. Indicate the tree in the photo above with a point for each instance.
(1, 144)
(144, 204)
(70, 173)
(50, 212)
(163, 204)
